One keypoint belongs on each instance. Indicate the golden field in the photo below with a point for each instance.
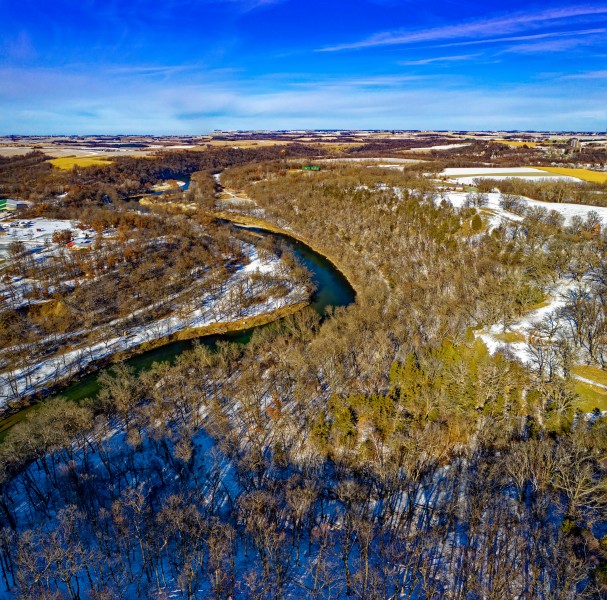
(69, 162)
(518, 144)
(583, 174)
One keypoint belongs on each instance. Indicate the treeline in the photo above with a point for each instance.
(18, 172)
(127, 176)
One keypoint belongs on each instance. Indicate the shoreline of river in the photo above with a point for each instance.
(12, 417)
(214, 329)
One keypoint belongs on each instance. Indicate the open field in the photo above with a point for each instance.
(590, 397)
(246, 143)
(467, 175)
(69, 162)
(437, 148)
(592, 373)
(72, 151)
(380, 162)
(583, 174)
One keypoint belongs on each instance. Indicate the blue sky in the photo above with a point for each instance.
(191, 66)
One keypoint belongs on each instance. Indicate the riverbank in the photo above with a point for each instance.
(7, 417)
(333, 288)
(243, 295)
(247, 221)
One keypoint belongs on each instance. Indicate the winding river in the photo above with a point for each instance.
(332, 289)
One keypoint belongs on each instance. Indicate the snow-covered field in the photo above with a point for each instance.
(394, 161)
(466, 176)
(441, 147)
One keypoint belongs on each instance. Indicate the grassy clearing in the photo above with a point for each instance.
(590, 397)
(69, 162)
(543, 304)
(473, 226)
(583, 174)
(592, 373)
(510, 337)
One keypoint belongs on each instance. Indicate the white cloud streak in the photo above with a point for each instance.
(588, 75)
(437, 59)
(522, 38)
(483, 27)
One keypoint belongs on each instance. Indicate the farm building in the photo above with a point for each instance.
(10, 204)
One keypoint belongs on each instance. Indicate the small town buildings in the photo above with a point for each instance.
(80, 244)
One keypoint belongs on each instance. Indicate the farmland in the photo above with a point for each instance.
(582, 174)
(468, 175)
(518, 144)
(69, 162)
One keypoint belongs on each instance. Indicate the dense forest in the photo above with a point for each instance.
(380, 452)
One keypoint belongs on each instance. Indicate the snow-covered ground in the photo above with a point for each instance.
(168, 185)
(466, 176)
(441, 147)
(38, 234)
(394, 161)
(567, 210)
(488, 171)
(556, 300)
(556, 295)
(221, 308)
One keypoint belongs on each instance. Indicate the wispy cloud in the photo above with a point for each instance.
(588, 75)
(523, 38)
(437, 59)
(482, 27)
(152, 69)
(557, 45)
